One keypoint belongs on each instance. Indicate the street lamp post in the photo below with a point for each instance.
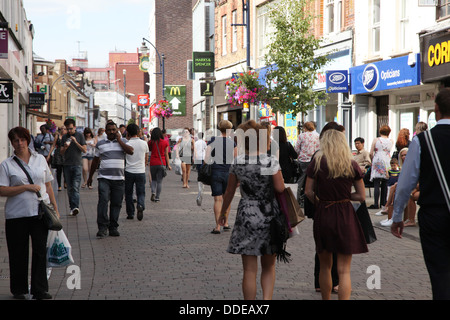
(124, 97)
(246, 17)
(144, 50)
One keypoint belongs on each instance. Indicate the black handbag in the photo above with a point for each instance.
(46, 211)
(366, 223)
(204, 174)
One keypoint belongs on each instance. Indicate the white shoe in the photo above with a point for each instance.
(380, 213)
(387, 223)
(74, 211)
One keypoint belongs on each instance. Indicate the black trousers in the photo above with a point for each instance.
(379, 186)
(18, 233)
(434, 225)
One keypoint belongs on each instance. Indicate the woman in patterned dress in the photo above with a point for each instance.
(380, 153)
(259, 177)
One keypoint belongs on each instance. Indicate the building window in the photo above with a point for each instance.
(404, 39)
(224, 35)
(333, 16)
(375, 26)
(265, 29)
(443, 9)
(234, 40)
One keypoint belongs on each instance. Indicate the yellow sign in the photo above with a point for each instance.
(439, 53)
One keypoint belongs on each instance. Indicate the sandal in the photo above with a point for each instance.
(214, 231)
(409, 223)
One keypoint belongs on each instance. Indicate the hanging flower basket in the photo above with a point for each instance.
(51, 124)
(162, 109)
(245, 89)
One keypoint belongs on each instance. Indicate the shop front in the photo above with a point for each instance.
(337, 106)
(389, 92)
(435, 66)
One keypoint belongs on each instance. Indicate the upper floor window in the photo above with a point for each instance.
(375, 26)
(234, 40)
(333, 16)
(224, 35)
(443, 9)
(404, 21)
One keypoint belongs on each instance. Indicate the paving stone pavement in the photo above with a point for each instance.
(171, 255)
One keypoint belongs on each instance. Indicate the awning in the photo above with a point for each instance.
(44, 114)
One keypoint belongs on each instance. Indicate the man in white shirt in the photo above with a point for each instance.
(135, 172)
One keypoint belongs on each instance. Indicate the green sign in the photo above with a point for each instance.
(176, 95)
(203, 61)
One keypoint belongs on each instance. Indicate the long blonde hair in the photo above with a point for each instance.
(335, 149)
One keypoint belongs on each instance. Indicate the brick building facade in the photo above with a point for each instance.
(173, 39)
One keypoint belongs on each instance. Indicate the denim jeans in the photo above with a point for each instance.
(132, 180)
(109, 192)
(72, 176)
(157, 173)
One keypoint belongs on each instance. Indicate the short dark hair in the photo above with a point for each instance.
(443, 101)
(110, 123)
(132, 129)
(359, 139)
(69, 121)
(19, 132)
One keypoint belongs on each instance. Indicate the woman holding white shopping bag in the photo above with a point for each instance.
(21, 213)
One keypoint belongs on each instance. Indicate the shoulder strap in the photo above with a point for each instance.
(437, 166)
(30, 180)
(157, 148)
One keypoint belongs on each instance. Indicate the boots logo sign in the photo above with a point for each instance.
(6, 92)
(370, 77)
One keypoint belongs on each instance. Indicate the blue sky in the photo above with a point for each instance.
(62, 28)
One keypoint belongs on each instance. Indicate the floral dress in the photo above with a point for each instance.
(257, 207)
(381, 159)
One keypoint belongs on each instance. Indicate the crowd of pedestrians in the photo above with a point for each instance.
(257, 158)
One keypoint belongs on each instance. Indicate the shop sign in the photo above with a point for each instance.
(36, 99)
(385, 75)
(143, 100)
(203, 61)
(3, 44)
(435, 57)
(6, 92)
(176, 95)
(337, 81)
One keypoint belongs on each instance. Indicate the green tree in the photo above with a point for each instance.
(291, 50)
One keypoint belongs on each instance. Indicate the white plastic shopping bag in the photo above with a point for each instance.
(177, 164)
(59, 250)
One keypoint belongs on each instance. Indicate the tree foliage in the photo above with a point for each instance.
(291, 54)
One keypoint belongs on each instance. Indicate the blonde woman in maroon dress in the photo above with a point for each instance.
(331, 174)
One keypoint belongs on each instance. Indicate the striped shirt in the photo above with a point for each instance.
(112, 156)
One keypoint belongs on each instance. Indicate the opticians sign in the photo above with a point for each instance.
(337, 81)
(387, 74)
